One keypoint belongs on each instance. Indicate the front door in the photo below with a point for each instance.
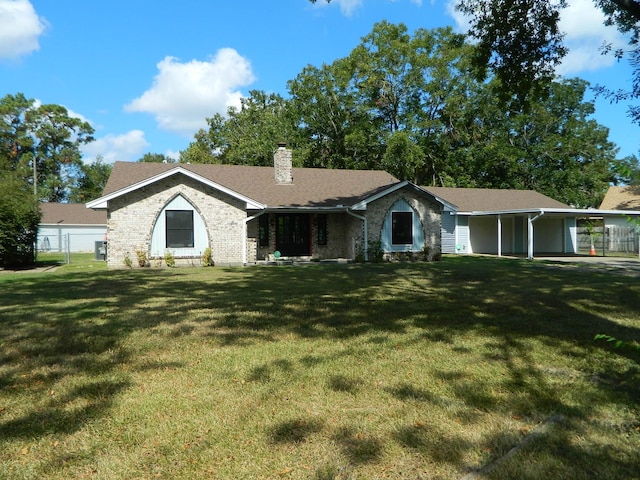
(292, 234)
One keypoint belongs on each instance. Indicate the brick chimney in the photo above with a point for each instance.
(282, 164)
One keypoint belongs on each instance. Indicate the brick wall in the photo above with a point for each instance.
(341, 230)
(429, 213)
(132, 217)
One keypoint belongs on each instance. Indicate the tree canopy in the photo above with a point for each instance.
(41, 144)
(19, 219)
(411, 104)
(247, 135)
(91, 181)
(520, 44)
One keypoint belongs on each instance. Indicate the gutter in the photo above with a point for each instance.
(542, 212)
(366, 233)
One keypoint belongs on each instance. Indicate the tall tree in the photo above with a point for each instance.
(521, 43)
(19, 219)
(392, 83)
(554, 147)
(337, 132)
(41, 143)
(247, 135)
(91, 181)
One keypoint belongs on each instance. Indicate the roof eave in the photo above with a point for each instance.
(103, 202)
(362, 204)
(557, 211)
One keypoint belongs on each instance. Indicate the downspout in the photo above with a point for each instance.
(499, 235)
(530, 233)
(366, 233)
(245, 233)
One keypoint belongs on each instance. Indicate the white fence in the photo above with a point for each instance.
(622, 239)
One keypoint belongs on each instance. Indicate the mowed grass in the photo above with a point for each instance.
(402, 371)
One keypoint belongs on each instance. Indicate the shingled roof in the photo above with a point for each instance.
(311, 187)
(491, 200)
(622, 198)
(71, 214)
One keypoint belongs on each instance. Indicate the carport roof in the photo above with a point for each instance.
(493, 199)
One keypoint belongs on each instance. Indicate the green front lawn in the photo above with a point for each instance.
(400, 371)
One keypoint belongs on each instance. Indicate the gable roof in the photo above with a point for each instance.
(493, 199)
(311, 187)
(622, 198)
(71, 214)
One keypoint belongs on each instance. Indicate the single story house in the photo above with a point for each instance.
(246, 214)
(621, 198)
(70, 227)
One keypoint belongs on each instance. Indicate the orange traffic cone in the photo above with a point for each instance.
(592, 252)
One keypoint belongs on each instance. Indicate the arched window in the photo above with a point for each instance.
(402, 229)
(180, 229)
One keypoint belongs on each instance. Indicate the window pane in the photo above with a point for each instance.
(263, 230)
(402, 228)
(322, 229)
(179, 228)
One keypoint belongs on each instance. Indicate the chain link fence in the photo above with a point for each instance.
(67, 246)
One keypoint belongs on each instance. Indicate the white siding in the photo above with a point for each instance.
(448, 232)
(484, 236)
(462, 235)
(547, 235)
(418, 232)
(571, 236)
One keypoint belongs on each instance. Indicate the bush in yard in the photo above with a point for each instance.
(169, 259)
(142, 258)
(19, 219)
(207, 258)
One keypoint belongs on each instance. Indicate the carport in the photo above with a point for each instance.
(532, 231)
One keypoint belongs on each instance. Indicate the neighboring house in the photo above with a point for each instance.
(70, 227)
(622, 232)
(621, 198)
(246, 214)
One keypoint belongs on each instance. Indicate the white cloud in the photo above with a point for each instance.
(21, 28)
(347, 7)
(127, 147)
(173, 154)
(582, 23)
(183, 95)
(462, 23)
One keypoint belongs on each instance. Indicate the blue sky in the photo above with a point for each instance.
(146, 74)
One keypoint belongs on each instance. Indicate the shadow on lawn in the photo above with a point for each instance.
(60, 325)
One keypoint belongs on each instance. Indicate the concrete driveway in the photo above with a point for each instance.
(624, 265)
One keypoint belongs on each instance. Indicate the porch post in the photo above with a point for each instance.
(529, 237)
(499, 235)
